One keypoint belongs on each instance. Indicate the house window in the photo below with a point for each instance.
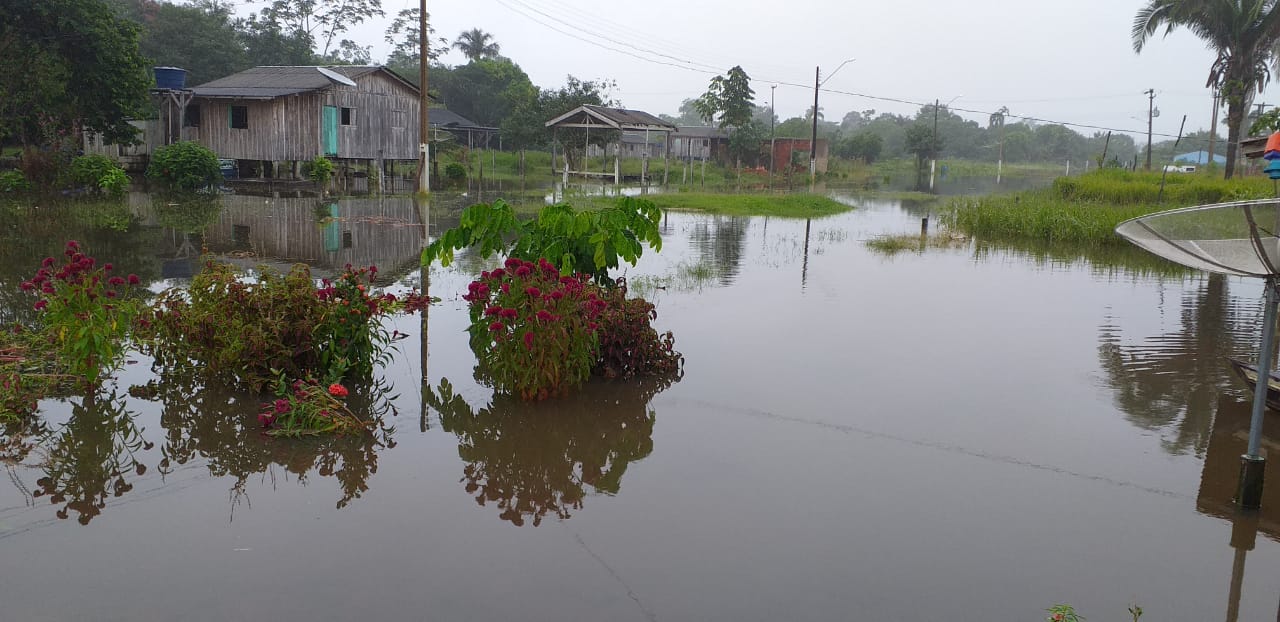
(240, 117)
(346, 116)
(191, 116)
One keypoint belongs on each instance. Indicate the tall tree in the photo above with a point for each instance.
(476, 45)
(729, 100)
(70, 64)
(200, 37)
(269, 42)
(1244, 34)
(485, 91)
(324, 21)
(402, 35)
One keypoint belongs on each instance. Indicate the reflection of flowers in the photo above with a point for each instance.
(531, 459)
(90, 457)
(219, 426)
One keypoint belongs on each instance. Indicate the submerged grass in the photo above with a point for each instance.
(1086, 209)
(891, 245)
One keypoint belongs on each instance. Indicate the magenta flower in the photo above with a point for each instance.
(496, 326)
(41, 304)
(27, 286)
(115, 280)
(512, 263)
(523, 271)
(47, 263)
(282, 406)
(533, 291)
(108, 267)
(266, 419)
(492, 310)
(510, 314)
(528, 341)
(133, 279)
(544, 315)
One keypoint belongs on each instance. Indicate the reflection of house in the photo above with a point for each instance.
(700, 143)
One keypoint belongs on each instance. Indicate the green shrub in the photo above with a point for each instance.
(320, 170)
(184, 165)
(13, 182)
(454, 174)
(100, 174)
(249, 334)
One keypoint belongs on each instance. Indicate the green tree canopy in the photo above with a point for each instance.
(69, 64)
(485, 90)
(477, 45)
(201, 37)
(1244, 34)
(729, 100)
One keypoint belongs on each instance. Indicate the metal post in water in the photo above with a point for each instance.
(1252, 464)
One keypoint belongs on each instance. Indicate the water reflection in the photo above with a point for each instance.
(221, 428)
(531, 460)
(92, 457)
(1227, 442)
(721, 244)
(1171, 382)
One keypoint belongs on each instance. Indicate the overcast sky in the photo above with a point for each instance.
(1060, 61)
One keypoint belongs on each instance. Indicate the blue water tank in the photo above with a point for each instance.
(173, 78)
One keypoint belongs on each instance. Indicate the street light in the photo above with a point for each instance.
(813, 138)
(934, 162)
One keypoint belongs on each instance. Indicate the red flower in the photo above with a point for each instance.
(41, 304)
(510, 314)
(492, 310)
(115, 280)
(528, 341)
(47, 263)
(133, 279)
(499, 273)
(512, 263)
(523, 271)
(544, 315)
(28, 286)
(266, 419)
(282, 406)
(337, 390)
(108, 267)
(496, 326)
(533, 292)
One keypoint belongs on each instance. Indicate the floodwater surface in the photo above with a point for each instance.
(973, 431)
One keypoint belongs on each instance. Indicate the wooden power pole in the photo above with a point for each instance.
(1151, 108)
(424, 121)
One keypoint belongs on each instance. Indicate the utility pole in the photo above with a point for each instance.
(773, 115)
(424, 121)
(1151, 108)
(933, 140)
(813, 137)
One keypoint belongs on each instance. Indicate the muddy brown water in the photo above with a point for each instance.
(976, 431)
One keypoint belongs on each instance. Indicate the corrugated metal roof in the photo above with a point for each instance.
(625, 117)
(271, 82)
(441, 117)
(617, 118)
(696, 131)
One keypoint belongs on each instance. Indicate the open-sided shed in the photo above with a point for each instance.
(601, 118)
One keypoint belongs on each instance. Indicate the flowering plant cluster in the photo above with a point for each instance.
(533, 329)
(305, 407)
(85, 310)
(538, 333)
(247, 334)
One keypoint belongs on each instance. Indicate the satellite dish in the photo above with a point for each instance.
(1241, 239)
(335, 76)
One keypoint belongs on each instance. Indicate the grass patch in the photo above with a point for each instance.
(779, 205)
(1085, 210)
(914, 243)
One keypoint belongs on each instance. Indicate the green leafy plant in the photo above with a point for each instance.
(249, 333)
(590, 241)
(1063, 613)
(13, 182)
(305, 408)
(454, 174)
(629, 346)
(99, 173)
(184, 165)
(538, 333)
(86, 312)
(320, 170)
(533, 330)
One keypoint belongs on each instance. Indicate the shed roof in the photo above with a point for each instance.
(270, 82)
(445, 118)
(588, 115)
(700, 131)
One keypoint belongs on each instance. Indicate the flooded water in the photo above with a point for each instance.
(976, 431)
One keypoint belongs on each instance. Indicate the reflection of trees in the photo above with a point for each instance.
(1175, 379)
(534, 459)
(28, 235)
(222, 428)
(90, 456)
(720, 242)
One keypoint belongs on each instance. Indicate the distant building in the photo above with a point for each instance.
(634, 145)
(700, 143)
(1200, 158)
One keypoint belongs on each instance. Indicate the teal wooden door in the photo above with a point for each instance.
(329, 131)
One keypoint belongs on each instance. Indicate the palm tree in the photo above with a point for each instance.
(476, 44)
(1244, 34)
